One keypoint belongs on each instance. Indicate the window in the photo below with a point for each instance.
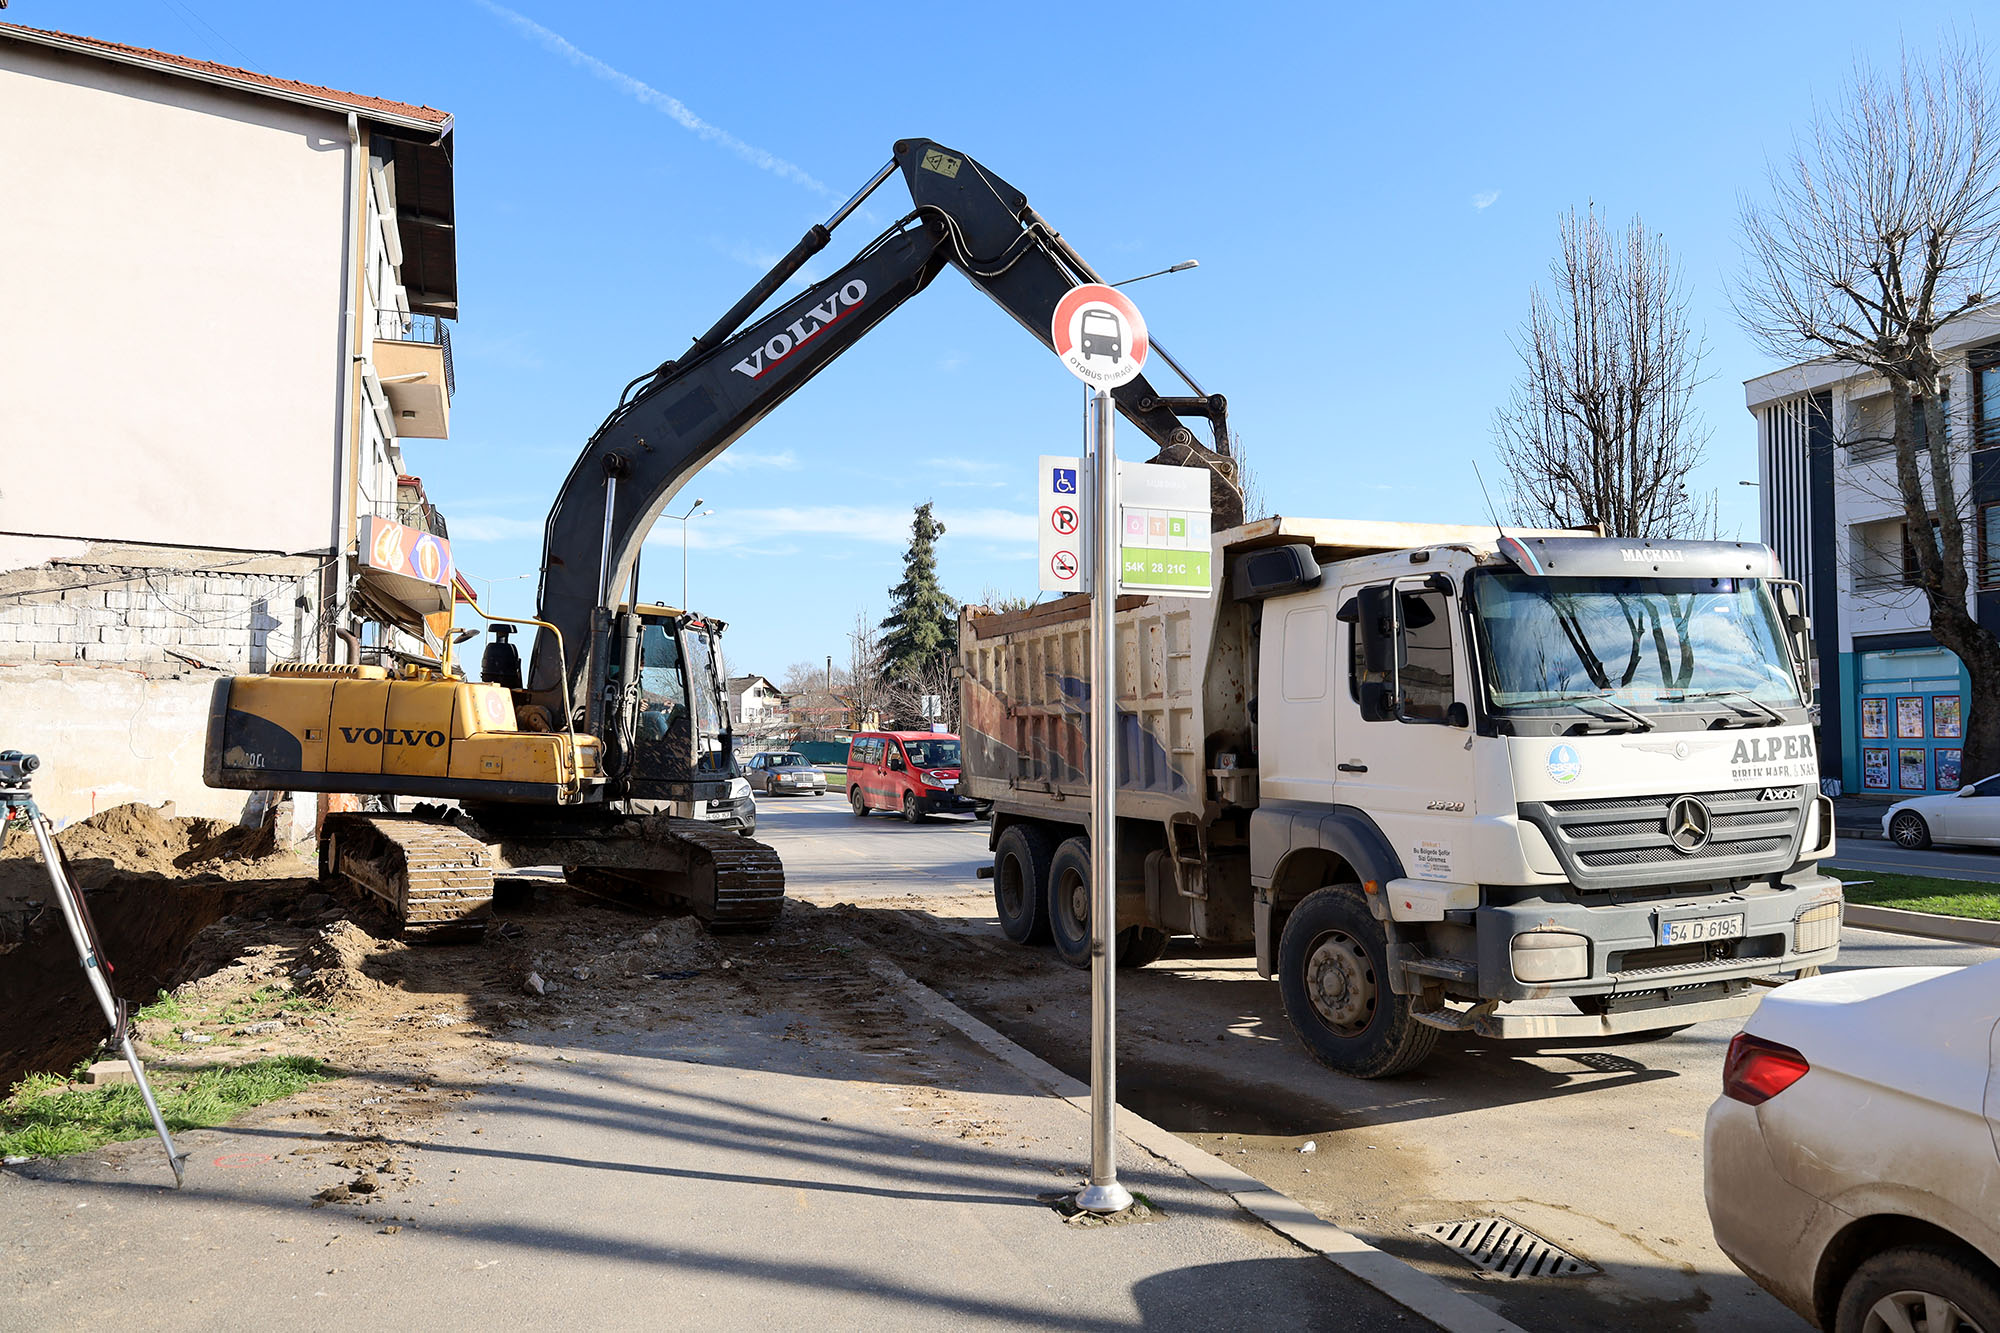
(1422, 689)
(1986, 400)
(1883, 556)
(933, 754)
(1910, 568)
(1423, 655)
(1871, 425)
(1989, 546)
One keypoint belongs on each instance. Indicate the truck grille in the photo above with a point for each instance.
(1622, 841)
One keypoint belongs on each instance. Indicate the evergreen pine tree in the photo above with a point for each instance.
(921, 629)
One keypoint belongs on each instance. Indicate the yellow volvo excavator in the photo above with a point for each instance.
(613, 756)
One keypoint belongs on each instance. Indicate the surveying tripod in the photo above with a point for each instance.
(17, 804)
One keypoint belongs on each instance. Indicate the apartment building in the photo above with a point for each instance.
(1893, 699)
(230, 298)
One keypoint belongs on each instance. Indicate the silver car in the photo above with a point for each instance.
(776, 771)
(1851, 1160)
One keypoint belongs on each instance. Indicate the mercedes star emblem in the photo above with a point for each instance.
(1688, 823)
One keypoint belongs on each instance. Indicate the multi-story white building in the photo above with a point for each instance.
(756, 706)
(226, 297)
(1893, 700)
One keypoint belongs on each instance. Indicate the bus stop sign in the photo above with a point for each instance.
(1099, 335)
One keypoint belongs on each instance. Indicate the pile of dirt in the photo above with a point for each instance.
(145, 842)
(330, 968)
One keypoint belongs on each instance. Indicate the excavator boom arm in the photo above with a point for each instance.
(685, 413)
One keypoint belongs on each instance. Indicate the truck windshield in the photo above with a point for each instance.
(1653, 645)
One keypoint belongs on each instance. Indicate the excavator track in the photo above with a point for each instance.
(748, 878)
(433, 880)
(729, 882)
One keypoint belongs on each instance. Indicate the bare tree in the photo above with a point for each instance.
(1602, 428)
(1883, 225)
(905, 698)
(1000, 602)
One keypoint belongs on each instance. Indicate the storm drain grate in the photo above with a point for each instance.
(1498, 1248)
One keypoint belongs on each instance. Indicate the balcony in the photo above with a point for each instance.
(413, 362)
(414, 509)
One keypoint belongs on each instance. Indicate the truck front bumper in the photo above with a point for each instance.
(1626, 959)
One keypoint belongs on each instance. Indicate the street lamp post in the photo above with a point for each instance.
(1181, 267)
(510, 578)
(682, 519)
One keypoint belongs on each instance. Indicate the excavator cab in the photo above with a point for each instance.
(681, 747)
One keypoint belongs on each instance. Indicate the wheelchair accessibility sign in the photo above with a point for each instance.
(1099, 335)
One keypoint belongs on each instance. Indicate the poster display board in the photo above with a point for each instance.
(1875, 719)
(1912, 768)
(1875, 768)
(1909, 717)
(1946, 722)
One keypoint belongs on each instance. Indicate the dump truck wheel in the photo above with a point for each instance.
(1140, 945)
(1069, 913)
(1333, 971)
(1020, 883)
(1069, 901)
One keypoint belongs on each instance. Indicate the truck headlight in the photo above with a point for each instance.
(1816, 928)
(1551, 955)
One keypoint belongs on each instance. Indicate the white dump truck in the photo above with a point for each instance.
(1438, 778)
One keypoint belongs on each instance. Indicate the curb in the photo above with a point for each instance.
(1924, 925)
(1414, 1290)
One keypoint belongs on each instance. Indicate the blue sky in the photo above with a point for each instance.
(1370, 195)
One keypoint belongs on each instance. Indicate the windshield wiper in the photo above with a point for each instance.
(1633, 721)
(1764, 716)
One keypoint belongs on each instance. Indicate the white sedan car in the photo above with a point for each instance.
(1969, 815)
(1851, 1162)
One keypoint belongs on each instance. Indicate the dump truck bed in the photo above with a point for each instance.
(1185, 681)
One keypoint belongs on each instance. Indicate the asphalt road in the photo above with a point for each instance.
(1595, 1146)
(1887, 857)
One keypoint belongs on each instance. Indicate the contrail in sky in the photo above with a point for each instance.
(653, 97)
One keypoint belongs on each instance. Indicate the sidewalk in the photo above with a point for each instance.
(1860, 816)
(734, 1170)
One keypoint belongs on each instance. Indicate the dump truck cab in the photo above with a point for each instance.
(1557, 768)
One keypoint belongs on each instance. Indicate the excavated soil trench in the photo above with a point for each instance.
(151, 883)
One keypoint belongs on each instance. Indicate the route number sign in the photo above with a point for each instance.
(1163, 541)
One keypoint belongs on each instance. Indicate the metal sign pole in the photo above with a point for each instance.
(1104, 1194)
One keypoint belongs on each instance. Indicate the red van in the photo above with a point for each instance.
(915, 772)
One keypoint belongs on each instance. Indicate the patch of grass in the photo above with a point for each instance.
(836, 782)
(38, 1121)
(1924, 893)
(165, 1009)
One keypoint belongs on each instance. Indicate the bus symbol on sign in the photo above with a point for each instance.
(1063, 520)
(1063, 565)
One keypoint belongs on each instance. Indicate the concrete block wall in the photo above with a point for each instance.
(108, 735)
(112, 615)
